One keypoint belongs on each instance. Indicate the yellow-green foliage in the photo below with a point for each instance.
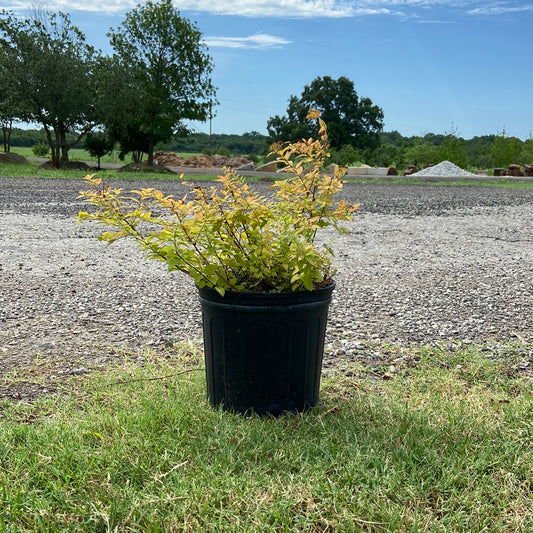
(230, 237)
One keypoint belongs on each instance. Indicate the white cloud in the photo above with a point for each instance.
(104, 7)
(278, 8)
(500, 10)
(245, 8)
(286, 8)
(260, 40)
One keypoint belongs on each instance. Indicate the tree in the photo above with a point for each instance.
(420, 153)
(351, 120)
(479, 151)
(527, 150)
(453, 149)
(50, 71)
(99, 145)
(506, 150)
(8, 104)
(164, 69)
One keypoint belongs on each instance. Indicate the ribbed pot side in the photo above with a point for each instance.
(263, 351)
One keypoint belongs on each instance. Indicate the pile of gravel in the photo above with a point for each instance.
(446, 169)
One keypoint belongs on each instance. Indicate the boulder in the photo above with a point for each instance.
(268, 167)
(411, 169)
(528, 170)
(391, 171)
(247, 166)
(514, 170)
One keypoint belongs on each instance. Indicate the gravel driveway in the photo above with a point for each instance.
(423, 263)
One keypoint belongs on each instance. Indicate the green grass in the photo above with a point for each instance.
(444, 445)
(79, 154)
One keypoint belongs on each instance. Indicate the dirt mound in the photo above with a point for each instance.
(144, 167)
(169, 159)
(68, 165)
(12, 158)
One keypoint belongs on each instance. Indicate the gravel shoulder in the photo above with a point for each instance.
(422, 264)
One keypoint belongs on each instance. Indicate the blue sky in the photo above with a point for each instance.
(440, 66)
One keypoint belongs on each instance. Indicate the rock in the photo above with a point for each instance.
(268, 167)
(528, 170)
(79, 371)
(43, 346)
(391, 171)
(411, 169)
(514, 170)
(246, 167)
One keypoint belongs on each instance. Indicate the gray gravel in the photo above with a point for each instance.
(422, 264)
(444, 168)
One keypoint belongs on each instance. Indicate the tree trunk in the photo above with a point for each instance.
(9, 132)
(150, 161)
(53, 148)
(63, 143)
(7, 129)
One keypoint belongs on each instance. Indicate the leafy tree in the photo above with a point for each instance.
(160, 76)
(453, 149)
(506, 150)
(421, 153)
(99, 145)
(351, 120)
(344, 156)
(384, 155)
(527, 150)
(49, 69)
(8, 105)
(479, 151)
(394, 138)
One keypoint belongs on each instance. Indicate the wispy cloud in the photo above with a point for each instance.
(104, 7)
(285, 8)
(244, 8)
(290, 8)
(501, 9)
(260, 40)
(434, 21)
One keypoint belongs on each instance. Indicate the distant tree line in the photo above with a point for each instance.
(394, 149)
(480, 152)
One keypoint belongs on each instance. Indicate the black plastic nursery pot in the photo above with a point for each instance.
(263, 351)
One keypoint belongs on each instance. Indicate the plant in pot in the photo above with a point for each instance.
(263, 281)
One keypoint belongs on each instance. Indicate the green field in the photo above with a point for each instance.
(442, 445)
(78, 154)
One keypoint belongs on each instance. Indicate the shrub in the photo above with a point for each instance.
(41, 149)
(230, 237)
